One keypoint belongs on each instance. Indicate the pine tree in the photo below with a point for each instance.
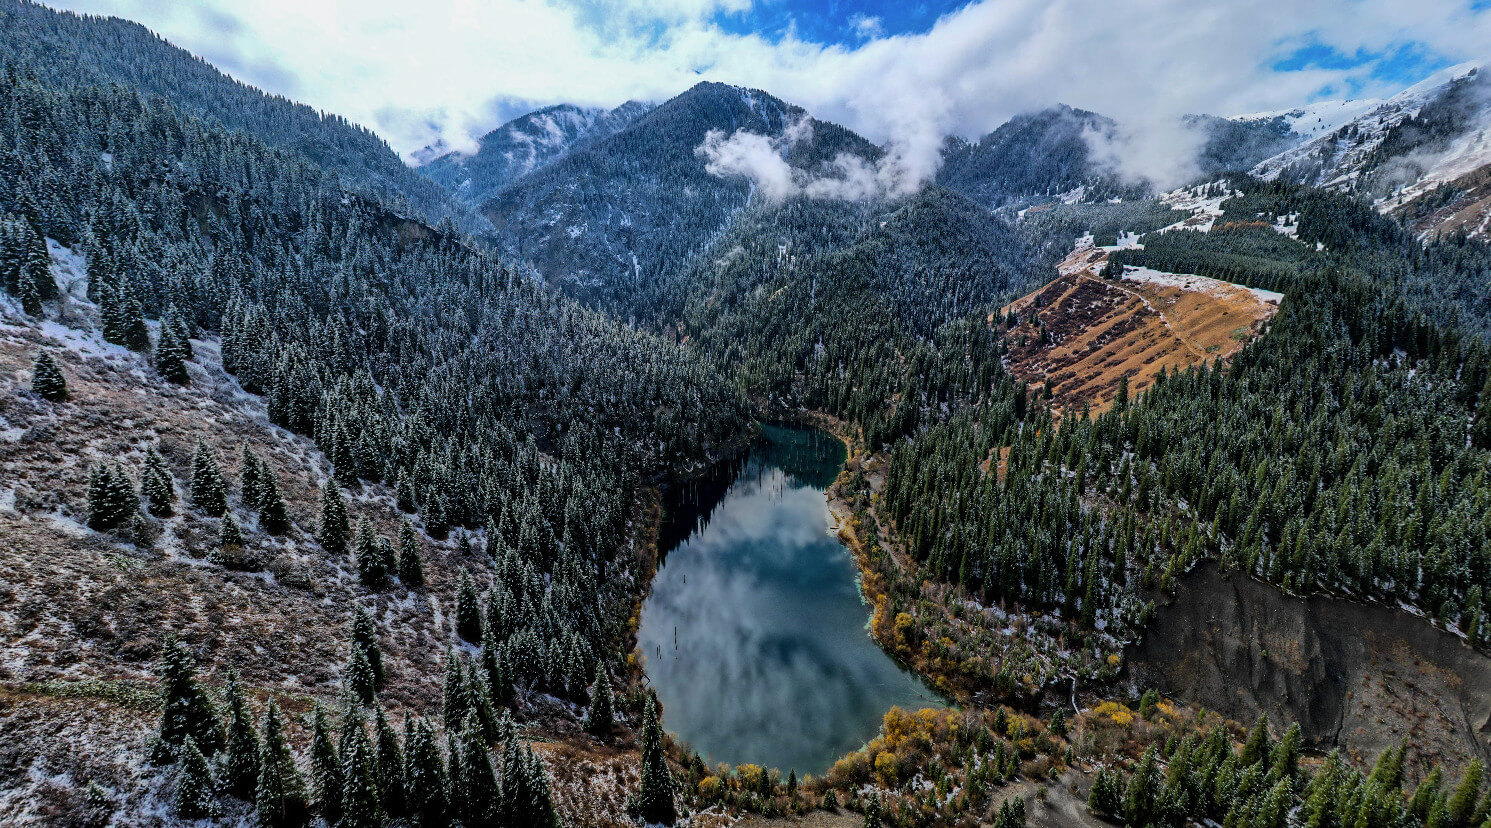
(112, 499)
(468, 611)
(359, 676)
(326, 769)
(599, 717)
(411, 566)
(194, 784)
(170, 362)
(209, 493)
(391, 784)
(360, 797)
(187, 711)
(241, 763)
(279, 799)
(365, 636)
(47, 380)
(333, 529)
(274, 518)
(480, 792)
(157, 485)
(654, 800)
(424, 775)
(370, 564)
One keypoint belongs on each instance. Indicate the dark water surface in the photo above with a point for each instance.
(755, 633)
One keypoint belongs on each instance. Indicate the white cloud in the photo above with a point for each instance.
(452, 69)
(761, 159)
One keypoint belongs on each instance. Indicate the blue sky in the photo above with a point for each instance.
(905, 74)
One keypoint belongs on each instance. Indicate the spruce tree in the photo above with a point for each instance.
(424, 775)
(326, 769)
(599, 717)
(468, 611)
(1461, 806)
(170, 362)
(358, 680)
(370, 563)
(480, 791)
(47, 380)
(230, 535)
(274, 518)
(654, 799)
(209, 493)
(365, 636)
(194, 784)
(157, 485)
(250, 479)
(333, 529)
(360, 798)
(455, 704)
(187, 711)
(391, 785)
(112, 499)
(279, 798)
(241, 762)
(411, 565)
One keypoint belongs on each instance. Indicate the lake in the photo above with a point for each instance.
(755, 635)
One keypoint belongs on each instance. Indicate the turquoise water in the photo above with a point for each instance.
(755, 633)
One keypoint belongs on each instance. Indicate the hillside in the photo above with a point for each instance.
(1082, 334)
(612, 218)
(67, 49)
(523, 145)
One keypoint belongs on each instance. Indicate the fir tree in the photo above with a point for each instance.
(112, 499)
(455, 704)
(391, 784)
(371, 569)
(157, 485)
(1461, 806)
(47, 380)
(230, 535)
(250, 478)
(187, 711)
(411, 565)
(359, 676)
(274, 518)
(598, 718)
(194, 784)
(326, 769)
(332, 531)
(170, 362)
(209, 493)
(279, 798)
(424, 775)
(654, 799)
(241, 762)
(365, 636)
(468, 611)
(360, 797)
(481, 794)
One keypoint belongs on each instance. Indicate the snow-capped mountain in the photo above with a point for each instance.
(1350, 153)
(521, 146)
(1316, 119)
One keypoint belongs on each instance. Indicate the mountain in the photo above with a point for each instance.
(521, 146)
(614, 215)
(1428, 131)
(69, 49)
(1034, 156)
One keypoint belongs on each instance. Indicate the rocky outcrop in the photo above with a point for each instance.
(1354, 675)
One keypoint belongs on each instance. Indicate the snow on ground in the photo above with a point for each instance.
(1319, 118)
(1196, 284)
(1204, 208)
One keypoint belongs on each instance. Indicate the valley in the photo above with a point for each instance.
(702, 461)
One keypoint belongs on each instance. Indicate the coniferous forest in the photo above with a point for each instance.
(248, 350)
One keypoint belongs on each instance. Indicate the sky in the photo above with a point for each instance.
(902, 73)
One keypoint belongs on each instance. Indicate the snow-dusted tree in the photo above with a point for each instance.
(47, 380)
(411, 563)
(187, 712)
(424, 775)
(653, 801)
(194, 797)
(599, 717)
(157, 485)
(209, 492)
(333, 529)
(240, 769)
(279, 798)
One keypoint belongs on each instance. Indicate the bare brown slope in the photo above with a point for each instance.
(1099, 330)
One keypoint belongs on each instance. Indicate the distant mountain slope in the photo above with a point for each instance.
(615, 214)
(523, 145)
(66, 49)
(1034, 156)
(1393, 143)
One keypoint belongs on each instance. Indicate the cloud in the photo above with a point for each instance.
(761, 159)
(450, 69)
